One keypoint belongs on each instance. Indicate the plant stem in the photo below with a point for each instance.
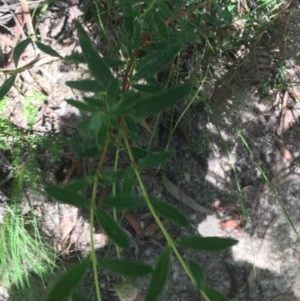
(92, 213)
(168, 238)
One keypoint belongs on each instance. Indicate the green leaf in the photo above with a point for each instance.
(113, 63)
(170, 212)
(160, 25)
(207, 243)
(124, 107)
(111, 177)
(123, 202)
(89, 152)
(147, 89)
(96, 64)
(164, 9)
(6, 86)
(74, 58)
(96, 122)
(47, 49)
(98, 103)
(139, 152)
(81, 105)
(67, 196)
(79, 184)
(154, 104)
(79, 297)
(214, 295)
(112, 229)
(159, 276)
(128, 183)
(155, 159)
(67, 282)
(126, 268)
(137, 36)
(187, 33)
(211, 20)
(128, 18)
(113, 91)
(19, 49)
(133, 130)
(223, 13)
(157, 62)
(103, 130)
(86, 85)
(198, 273)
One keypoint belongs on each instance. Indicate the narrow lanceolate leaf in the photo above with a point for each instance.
(86, 85)
(170, 212)
(123, 202)
(19, 49)
(214, 295)
(159, 276)
(79, 297)
(207, 243)
(96, 64)
(67, 196)
(126, 268)
(79, 184)
(113, 91)
(47, 49)
(112, 229)
(158, 61)
(7, 85)
(198, 274)
(164, 9)
(147, 88)
(155, 159)
(67, 282)
(157, 103)
(82, 106)
(160, 25)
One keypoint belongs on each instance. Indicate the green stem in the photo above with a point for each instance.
(168, 238)
(92, 214)
(114, 188)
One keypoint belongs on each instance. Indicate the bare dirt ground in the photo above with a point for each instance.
(241, 163)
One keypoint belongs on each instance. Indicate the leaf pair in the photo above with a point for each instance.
(68, 196)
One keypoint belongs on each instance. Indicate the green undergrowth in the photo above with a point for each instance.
(22, 249)
(140, 80)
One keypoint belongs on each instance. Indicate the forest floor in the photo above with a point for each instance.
(235, 171)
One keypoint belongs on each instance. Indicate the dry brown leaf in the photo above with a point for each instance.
(146, 126)
(134, 222)
(181, 196)
(284, 150)
(230, 224)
